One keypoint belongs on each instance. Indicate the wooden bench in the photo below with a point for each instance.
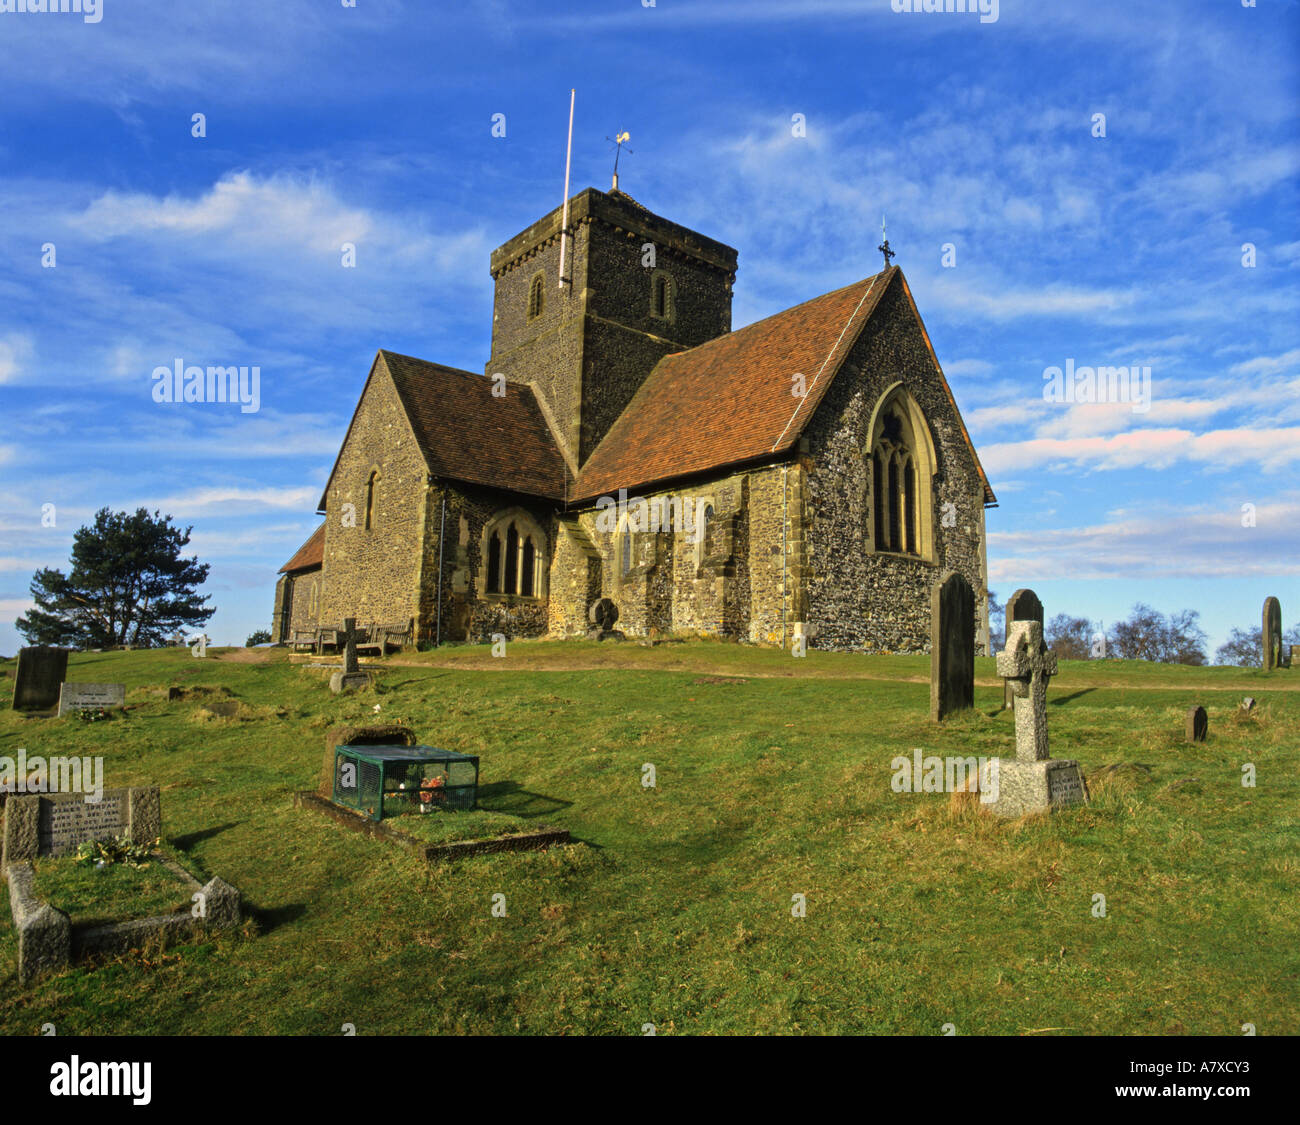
(383, 637)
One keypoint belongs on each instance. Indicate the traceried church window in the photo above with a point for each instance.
(902, 472)
(514, 555)
(536, 297)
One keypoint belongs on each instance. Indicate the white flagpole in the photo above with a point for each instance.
(564, 223)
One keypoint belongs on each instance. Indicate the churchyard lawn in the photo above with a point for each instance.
(772, 780)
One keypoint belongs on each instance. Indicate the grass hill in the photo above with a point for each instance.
(675, 906)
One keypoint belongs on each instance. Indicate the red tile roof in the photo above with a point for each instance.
(729, 401)
(310, 554)
(468, 434)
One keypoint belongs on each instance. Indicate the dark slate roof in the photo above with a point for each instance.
(728, 401)
(311, 554)
(467, 434)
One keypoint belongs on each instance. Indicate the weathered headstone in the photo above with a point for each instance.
(41, 669)
(602, 615)
(1271, 635)
(952, 647)
(1023, 605)
(57, 823)
(1198, 724)
(90, 697)
(349, 677)
(1032, 781)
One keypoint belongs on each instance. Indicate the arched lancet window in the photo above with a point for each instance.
(514, 553)
(902, 475)
(536, 298)
(662, 295)
(494, 563)
(705, 519)
(370, 498)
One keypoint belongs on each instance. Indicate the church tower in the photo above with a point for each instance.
(636, 287)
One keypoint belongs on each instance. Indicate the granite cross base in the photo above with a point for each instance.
(342, 681)
(1032, 787)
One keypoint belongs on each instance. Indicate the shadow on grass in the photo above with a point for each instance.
(186, 843)
(271, 919)
(511, 797)
(1073, 695)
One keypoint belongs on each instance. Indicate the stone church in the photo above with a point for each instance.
(805, 479)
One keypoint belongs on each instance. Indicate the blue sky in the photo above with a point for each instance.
(373, 125)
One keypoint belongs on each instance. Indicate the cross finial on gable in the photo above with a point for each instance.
(884, 246)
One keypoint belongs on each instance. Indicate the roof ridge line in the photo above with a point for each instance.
(834, 348)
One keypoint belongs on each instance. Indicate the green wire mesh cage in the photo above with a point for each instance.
(383, 781)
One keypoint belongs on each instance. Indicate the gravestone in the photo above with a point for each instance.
(602, 615)
(1032, 781)
(90, 697)
(1271, 635)
(952, 647)
(349, 677)
(41, 669)
(57, 823)
(1198, 724)
(1023, 605)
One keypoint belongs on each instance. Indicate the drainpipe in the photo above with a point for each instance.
(442, 531)
(785, 523)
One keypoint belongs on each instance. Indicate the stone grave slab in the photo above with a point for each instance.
(1271, 635)
(41, 670)
(56, 824)
(91, 697)
(1198, 724)
(952, 647)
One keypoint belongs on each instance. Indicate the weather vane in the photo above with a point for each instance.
(884, 246)
(618, 142)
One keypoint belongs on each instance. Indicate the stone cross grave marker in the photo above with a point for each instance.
(1028, 665)
(349, 677)
(41, 670)
(952, 647)
(1272, 635)
(1198, 724)
(90, 697)
(1032, 781)
(1023, 605)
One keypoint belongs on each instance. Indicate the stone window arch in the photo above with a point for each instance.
(902, 470)
(514, 556)
(372, 483)
(536, 296)
(705, 514)
(663, 296)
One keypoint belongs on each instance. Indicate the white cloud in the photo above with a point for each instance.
(1156, 543)
(1151, 449)
(15, 351)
